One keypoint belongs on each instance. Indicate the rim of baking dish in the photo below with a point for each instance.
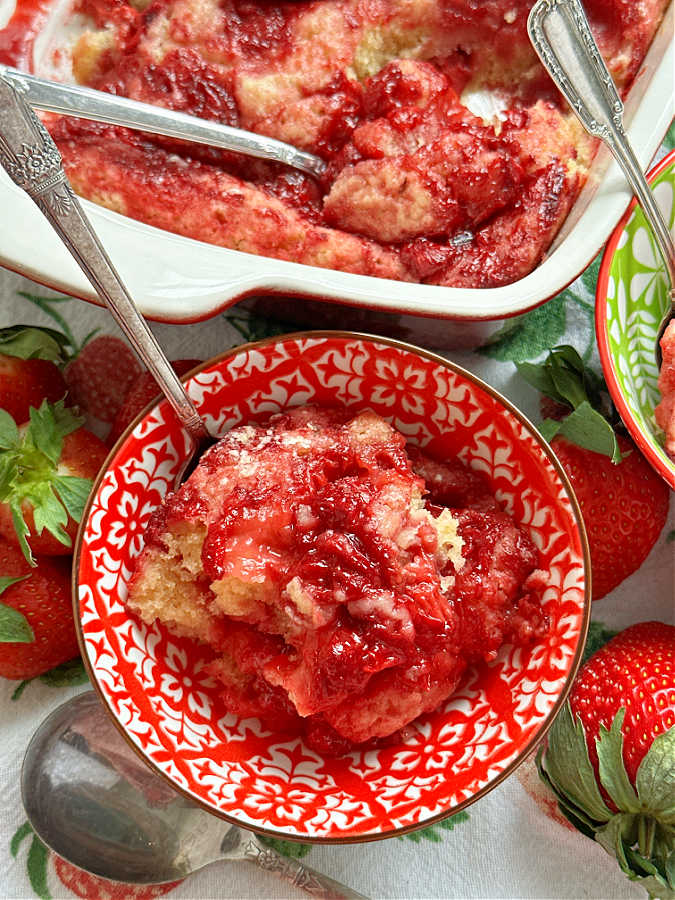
(162, 268)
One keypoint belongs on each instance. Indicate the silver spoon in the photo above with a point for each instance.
(33, 162)
(561, 35)
(92, 801)
(87, 103)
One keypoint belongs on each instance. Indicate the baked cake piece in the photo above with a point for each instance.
(338, 601)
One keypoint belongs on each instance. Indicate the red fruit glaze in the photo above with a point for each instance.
(365, 623)
(624, 508)
(27, 382)
(44, 598)
(635, 670)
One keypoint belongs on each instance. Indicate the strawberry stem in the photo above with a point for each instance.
(646, 834)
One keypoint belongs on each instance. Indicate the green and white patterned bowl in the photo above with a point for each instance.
(631, 299)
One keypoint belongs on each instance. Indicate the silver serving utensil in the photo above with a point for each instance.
(30, 157)
(91, 800)
(87, 103)
(562, 38)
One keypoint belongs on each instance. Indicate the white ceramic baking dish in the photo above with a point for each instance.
(177, 279)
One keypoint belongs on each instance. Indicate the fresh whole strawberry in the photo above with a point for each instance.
(36, 614)
(100, 376)
(623, 502)
(141, 393)
(28, 370)
(46, 472)
(624, 507)
(610, 758)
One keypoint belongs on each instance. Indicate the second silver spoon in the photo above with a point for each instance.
(560, 33)
(91, 800)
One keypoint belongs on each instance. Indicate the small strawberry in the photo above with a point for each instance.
(28, 369)
(101, 375)
(36, 615)
(624, 507)
(623, 502)
(46, 472)
(610, 758)
(140, 394)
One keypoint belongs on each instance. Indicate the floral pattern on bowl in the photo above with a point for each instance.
(631, 300)
(155, 686)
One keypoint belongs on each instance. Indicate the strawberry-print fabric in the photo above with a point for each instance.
(511, 843)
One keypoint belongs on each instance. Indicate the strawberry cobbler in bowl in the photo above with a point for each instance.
(362, 608)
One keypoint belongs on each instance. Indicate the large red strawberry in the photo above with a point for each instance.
(611, 753)
(46, 472)
(141, 393)
(623, 502)
(36, 615)
(624, 506)
(101, 375)
(28, 370)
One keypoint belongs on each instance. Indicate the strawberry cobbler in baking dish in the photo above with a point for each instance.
(419, 186)
(343, 581)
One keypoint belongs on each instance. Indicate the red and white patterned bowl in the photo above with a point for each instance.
(154, 684)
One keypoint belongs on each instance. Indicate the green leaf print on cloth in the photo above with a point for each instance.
(433, 832)
(528, 336)
(36, 861)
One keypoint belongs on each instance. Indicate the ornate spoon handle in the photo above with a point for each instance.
(33, 162)
(561, 35)
(86, 103)
(296, 873)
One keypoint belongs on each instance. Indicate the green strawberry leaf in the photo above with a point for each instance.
(529, 335)
(539, 377)
(14, 627)
(28, 475)
(670, 868)
(615, 836)
(569, 768)
(613, 775)
(9, 433)
(21, 531)
(655, 779)
(567, 382)
(7, 581)
(48, 513)
(49, 425)
(68, 674)
(589, 429)
(549, 428)
(73, 493)
(26, 342)
(572, 813)
(670, 537)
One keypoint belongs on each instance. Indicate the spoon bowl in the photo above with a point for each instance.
(91, 800)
